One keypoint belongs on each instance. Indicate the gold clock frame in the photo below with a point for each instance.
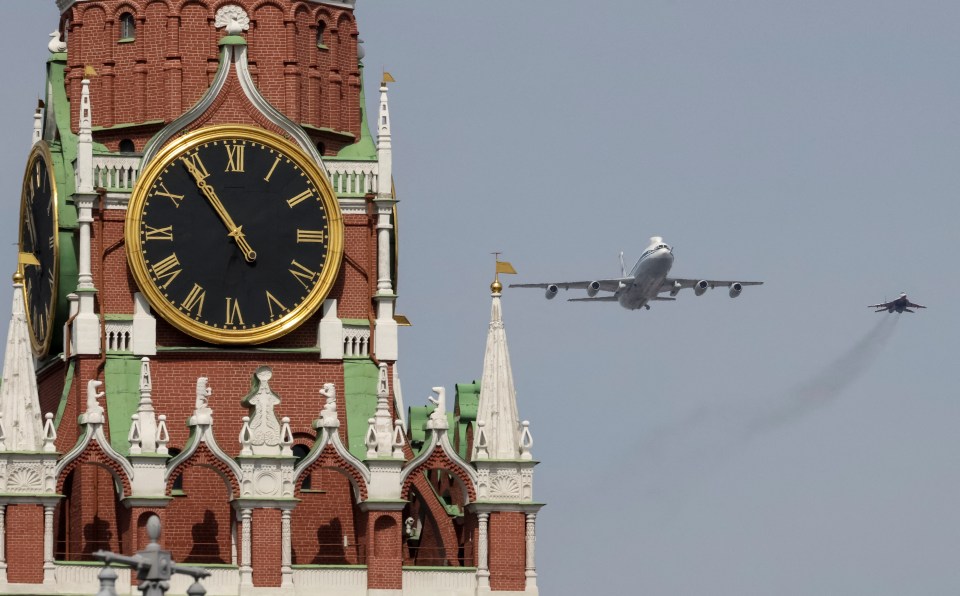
(297, 315)
(41, 149)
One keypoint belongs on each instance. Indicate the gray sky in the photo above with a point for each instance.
(786, 442)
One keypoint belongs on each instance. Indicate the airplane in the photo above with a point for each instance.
(646, 281)
(901, 304)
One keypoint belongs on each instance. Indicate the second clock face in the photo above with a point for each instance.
(234, 235)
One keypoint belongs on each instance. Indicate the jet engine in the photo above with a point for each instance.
(592, 288)
(735, 290)
(552, 290)
(701, 287)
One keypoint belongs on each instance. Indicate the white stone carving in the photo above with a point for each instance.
(264, 426)
(526, 441)
(94, 413)
(234, 18)
(438, 418)
(353, 177)
(116, 173)
(202, 414)
(25, 478)
(504, 485)
(56, 45)
(19, 399)
(163, 436)
(356, 340)
(119, 336)
(328, 415)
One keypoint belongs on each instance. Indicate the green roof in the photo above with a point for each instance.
(122, 385)
(364, 149)
(360, 377)
(465, 406)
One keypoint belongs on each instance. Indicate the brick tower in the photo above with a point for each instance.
(204, 313)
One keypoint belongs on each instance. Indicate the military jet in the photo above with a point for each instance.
(901, 304)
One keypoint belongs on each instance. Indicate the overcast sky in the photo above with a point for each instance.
(788, 442)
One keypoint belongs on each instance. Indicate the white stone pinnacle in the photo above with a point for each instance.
(19, 399)
(498, 398)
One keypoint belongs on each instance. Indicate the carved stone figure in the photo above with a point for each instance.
(439, 414)
(202, 413)
(94, 409)
(264, 425)
(329, 411)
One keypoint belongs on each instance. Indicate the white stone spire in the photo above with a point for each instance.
(19, 400)
(498, 399)
(384, 145)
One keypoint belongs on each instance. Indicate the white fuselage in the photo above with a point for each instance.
(648, 275)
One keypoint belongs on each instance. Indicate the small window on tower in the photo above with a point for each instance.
(321, 29)
(321, 147)
(128, 27)
(127, 146)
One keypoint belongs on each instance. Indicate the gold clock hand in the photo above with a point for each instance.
(233, 230)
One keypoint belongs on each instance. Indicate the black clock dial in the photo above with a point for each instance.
(238, 237)
(38, 260)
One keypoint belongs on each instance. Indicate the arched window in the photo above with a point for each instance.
(321, 147)
(66, 30)
(128, 27)
(177, 488)
(321, 29)
(127, 146)
(300, 452)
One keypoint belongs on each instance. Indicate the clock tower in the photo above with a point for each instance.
(206, 288)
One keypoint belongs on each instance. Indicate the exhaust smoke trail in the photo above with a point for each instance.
(708, 434)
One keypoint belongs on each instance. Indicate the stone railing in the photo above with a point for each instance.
(453, 581)
(119, 335)
(353, 178)
(356, 340)
(116, 173)
(331, 580)
(222, 581)
(81, 578)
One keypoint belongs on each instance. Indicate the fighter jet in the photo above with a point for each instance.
(644, 284)
(901, 304)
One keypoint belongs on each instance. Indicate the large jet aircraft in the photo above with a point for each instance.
(644, 284)
(901, 304)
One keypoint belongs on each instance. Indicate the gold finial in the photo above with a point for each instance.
(17, 277)
(502, 267)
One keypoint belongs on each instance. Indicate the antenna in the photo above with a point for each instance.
(623, 267)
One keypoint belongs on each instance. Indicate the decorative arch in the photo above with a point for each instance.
(211, 10)
(204, 456)
(330, 458)
(439, 455)
(93, 453)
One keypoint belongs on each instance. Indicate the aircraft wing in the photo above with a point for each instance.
(675, 284)
(607, 285)
(912, 305)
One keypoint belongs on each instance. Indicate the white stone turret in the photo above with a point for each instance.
(86, 326)
(497, 408)
(19, 399)
(386, 326)
(384, 148)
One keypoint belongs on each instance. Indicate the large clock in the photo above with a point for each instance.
(38, 260)
(234, 235)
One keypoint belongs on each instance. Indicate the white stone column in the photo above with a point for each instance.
(286, 559)
(3, 544)
(384, 283)
(49, 569)
(86, 327)
(483, 567)
(531, 566)
(246, 568)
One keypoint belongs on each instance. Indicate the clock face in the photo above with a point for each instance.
(234, 235)
(38, 261)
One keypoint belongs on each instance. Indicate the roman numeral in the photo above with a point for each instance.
(50, 242)
(233, 312)
(152, 233)
(163, 192)
(234, 158)
(302, 274)
(168, 269)
(50, 277)
(195, 165)
(195, 300)
(271, 300)
(300, 198)
(272, 168)
(310, 236)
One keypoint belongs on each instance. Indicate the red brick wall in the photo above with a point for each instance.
(322, 519)
(175, 56)
(87, 519)
(24, 543)
(384, 565)
(507, 535)
(266, 547)
(196, 527)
